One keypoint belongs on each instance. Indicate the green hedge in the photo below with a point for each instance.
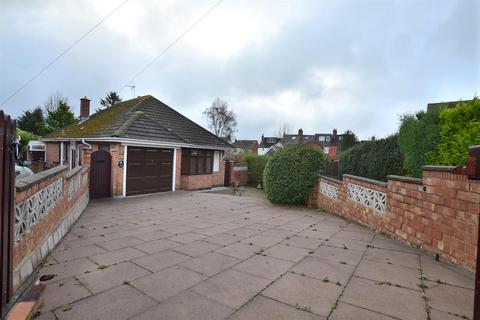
(460, 129)
(291, 173)
(418, 137)
(373, 159)
(256, 165)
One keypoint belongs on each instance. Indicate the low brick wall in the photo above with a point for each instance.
(203, 181)
(238, 175)
(439, 213)
(47, 204)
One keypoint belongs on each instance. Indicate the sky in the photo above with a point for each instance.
(311, 64)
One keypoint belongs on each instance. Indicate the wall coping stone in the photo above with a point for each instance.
(376, 182)
(331, 179)
(27, 182)
(439, 168)
(405, 179)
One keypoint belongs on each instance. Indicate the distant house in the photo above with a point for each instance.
(266, 143)
(139, 146)
(329, 143)
(245, 146)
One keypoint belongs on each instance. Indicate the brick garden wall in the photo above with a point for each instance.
(203, 181)
(238, 175)
(439, 213)
(61, 206)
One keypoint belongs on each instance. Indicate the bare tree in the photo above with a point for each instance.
(284, 128)
(221, 120)
(54, 101)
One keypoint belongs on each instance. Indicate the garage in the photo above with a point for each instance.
(149, 170)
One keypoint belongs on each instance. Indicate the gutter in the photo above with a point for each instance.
(138, 142)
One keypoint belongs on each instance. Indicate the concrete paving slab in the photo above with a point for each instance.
(161, 260)
(324, 269)
(210, 263)
(239, 250)
(197, 248)
(263, 308)
(116, 256)
(387, 299)
(112, 276)
(346, 311)
(264, 266)
(451, 299)
(119, 303)
(187, 305)
(168, 282)
(231, 288)
(304, 293)
(63, 292)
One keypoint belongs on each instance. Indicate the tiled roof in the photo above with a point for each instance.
(142, 118)
(245, 144)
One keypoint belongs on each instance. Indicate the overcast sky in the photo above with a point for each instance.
(311, 64)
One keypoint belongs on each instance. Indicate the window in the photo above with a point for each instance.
(196, 161)
(321, 138)
(328, 138)
(271, 140)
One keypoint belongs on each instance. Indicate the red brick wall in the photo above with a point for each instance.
(238, 175)
(203, 181)
(439, 213)
(47, 225)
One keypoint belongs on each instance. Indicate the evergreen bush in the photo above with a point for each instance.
(373, 159)
(291, 173)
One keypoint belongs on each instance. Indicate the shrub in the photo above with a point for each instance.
(460, 129)
(291, 173)
(419, 135)
(373, 159)
(25, 138)
(256, 165)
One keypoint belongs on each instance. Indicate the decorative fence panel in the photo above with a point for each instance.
(329, 190)
(368, 197)
(33, 209)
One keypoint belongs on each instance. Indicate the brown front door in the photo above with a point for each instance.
(100, 174)
(149, 170)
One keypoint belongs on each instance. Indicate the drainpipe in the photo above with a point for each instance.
(61, 153)
(89, 146)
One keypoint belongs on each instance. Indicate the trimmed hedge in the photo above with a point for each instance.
(256, 165)
(460, 129)
(291, 173)
(373, 159)
(419, 136)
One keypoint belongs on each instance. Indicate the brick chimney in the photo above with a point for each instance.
(84, 108)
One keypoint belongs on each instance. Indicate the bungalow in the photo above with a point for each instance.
(139, 146)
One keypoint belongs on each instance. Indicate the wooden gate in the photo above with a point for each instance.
(7, 206)
(226, 182)
(100, 174)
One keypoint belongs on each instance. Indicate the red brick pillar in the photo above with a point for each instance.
(473, 171)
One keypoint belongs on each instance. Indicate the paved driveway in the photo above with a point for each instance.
(208, 256)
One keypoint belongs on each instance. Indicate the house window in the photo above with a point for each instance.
(328, 138)
(321, 138)
(196, 161)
